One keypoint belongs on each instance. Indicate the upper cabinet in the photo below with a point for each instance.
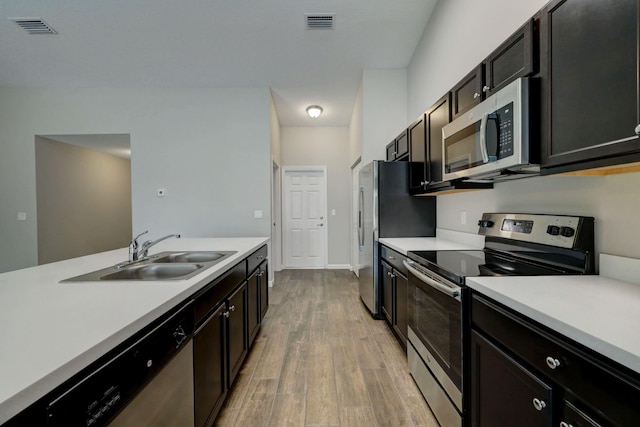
(468, 92)
(514, 58)
(398, 149)
(418, 159)
(589, 71)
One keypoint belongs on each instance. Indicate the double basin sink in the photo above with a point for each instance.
(162, 266)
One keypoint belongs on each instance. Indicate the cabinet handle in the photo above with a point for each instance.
(486, 89)
(563, 424)
(476, 95)
(232, 308)
(226, 314)
(259, 257)
(552, 362)
(394, 153)
(391, 257)
(638, 130)
(539, 404)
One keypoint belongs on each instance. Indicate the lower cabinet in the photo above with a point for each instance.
(527, 375)
(394, 283)
(263, 285)
(504, 392)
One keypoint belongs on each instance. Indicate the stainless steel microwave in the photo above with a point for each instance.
(492, 139)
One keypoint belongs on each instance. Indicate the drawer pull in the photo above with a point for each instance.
(552, 362)
(539, 404)
(563, 424)
(232, 308)
(476, 95)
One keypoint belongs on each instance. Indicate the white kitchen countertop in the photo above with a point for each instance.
(406, 244)
(51, 331)
(598, 312)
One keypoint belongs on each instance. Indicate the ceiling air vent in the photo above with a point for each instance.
(320, 22)
(34, 25)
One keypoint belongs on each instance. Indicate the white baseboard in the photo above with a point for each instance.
(338, 267)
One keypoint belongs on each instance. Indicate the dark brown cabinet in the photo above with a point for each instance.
(504, 393)
(253, 309)
(418, 159)
(237, 331)
(398, 149)
(516, 57)
(589, 70)
(263, 285)
(524, 374)
(437, 117)
(209, 368)
(468, 91)
(393, 277)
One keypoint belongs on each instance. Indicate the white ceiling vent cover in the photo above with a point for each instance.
(323, 21)
(34, 25)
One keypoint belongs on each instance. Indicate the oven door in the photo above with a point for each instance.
(435, 313)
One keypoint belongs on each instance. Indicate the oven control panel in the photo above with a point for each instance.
(562, 231)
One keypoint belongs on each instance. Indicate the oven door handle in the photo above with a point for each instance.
(453, 292)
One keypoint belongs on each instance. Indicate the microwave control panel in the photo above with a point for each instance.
(504, 137)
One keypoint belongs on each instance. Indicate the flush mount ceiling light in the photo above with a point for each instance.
(314, 111)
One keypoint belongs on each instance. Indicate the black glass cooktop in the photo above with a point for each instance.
(457, 265)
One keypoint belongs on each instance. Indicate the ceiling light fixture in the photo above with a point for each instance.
(314, 111)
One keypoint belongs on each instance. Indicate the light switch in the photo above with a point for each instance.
(333, 212)
(22, 216)
(257, 214)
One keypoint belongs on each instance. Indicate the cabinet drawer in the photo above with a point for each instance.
(254, 260)
(394, 258)
(215, 292)
(598, 382)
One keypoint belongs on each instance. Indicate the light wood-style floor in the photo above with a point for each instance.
(321, 360)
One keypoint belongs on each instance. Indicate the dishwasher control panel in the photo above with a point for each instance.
(102, 392)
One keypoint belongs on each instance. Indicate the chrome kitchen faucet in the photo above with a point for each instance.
(139, 251)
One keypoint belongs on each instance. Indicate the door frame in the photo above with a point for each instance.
(283, 209)
(276, 220)
(355, 186)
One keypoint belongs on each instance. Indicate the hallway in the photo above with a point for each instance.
(321, 360)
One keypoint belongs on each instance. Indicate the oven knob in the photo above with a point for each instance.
(554, 230)
(567, 231)
(485, 223)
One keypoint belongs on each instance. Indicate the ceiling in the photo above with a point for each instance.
(214, 43)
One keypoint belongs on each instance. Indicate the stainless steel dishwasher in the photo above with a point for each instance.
(149, 383)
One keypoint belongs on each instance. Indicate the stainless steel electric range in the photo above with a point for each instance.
(515, 245)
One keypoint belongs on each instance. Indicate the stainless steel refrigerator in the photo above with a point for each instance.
(385, 209)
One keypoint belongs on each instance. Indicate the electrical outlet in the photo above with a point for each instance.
(257, 214)
(463, 217)
(22, 216)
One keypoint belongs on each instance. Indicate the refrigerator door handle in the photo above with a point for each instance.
(360, 218)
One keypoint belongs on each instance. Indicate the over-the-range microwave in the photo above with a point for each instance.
(492, 140)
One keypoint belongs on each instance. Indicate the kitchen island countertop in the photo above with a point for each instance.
(53, 330)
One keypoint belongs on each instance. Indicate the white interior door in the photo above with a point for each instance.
(305, 196)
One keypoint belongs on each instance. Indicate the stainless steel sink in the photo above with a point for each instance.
(177, 265)
(189, 257)
(153, 272)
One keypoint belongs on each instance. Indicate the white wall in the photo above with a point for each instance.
(355, 129)
(384, 110)
(442, 57)
(208, 147)
(325, 146)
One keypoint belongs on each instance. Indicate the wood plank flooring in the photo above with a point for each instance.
(321, 360)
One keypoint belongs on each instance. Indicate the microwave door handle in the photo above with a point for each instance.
(453, 292)
(483, 138)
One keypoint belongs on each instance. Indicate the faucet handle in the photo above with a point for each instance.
(133, 247)
(135, 239)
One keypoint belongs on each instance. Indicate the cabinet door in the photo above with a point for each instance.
(401, 325)
(210, 383)
(589, 66)
(253, 306)
(263, 279)
(387, 291)
(402, 145)
(513, 59)
(391, 151)
(237, 330)
(504, 393)
(418, 160)
(436, 118)
(572, 416)
(468, 92)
